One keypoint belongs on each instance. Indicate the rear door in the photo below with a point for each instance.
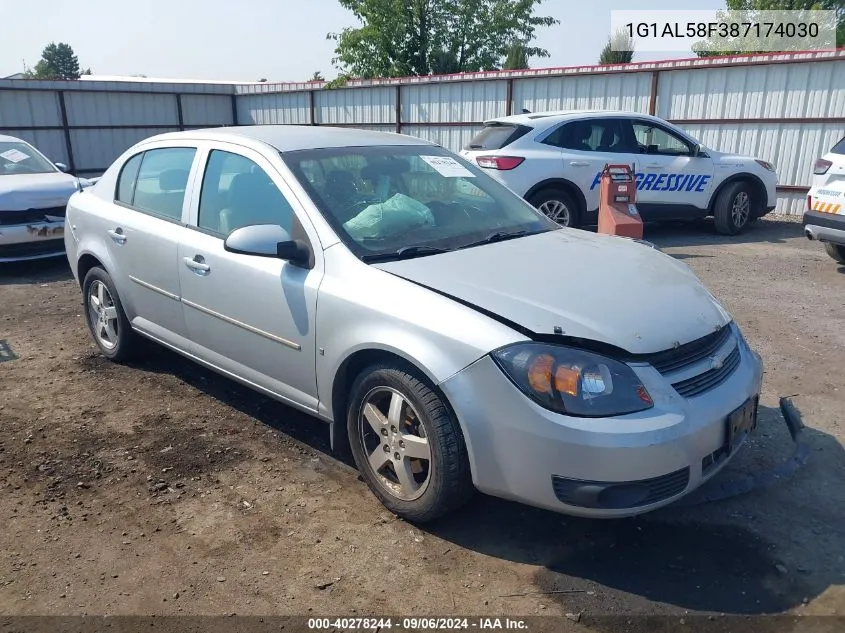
(143, 232)
(674, 183)
(586, 146)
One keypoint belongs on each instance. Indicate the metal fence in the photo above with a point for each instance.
(786, 108)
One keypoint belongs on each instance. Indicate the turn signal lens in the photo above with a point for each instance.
(566, 380)
(540, 373)
(765, 164)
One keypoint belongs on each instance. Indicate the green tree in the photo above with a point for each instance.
(779, 5)
(317, 76)
(517, 58)
(619, 40)
(419, 37)
(58, 61)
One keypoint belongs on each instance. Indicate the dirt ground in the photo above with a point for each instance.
(161, 488)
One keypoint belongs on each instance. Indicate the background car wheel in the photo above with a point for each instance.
(735, 207)
(558, 205)
(406, 444)
(836, 251)
(105, 317)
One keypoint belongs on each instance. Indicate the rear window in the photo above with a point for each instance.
(497, 136)
(839, 148)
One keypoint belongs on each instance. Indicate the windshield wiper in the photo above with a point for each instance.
(498, 236)
(406, 252)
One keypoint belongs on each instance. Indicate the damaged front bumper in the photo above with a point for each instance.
(32, 240)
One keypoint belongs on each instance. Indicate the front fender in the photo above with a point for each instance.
(363, 308)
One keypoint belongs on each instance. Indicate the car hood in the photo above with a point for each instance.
(36, 191)
(597, 287)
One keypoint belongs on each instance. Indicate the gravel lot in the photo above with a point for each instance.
(161, 488)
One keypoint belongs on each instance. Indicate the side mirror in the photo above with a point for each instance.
(268, 240)
(698, 150)
(61, 166)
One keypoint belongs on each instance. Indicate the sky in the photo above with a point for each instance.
(245, 40)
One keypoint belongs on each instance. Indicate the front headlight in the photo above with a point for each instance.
(573, 381)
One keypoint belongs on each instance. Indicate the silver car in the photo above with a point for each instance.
(33, 196)
(449, 334)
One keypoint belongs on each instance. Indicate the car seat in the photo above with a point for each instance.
(253, 199)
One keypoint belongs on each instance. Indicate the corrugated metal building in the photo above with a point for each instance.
(787, 108)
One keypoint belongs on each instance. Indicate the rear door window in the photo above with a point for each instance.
(839, 148)
(162, 181)
(593, 135)
(497, 136)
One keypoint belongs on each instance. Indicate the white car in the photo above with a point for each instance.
(824, 217)
(33, 196)
(554, 160)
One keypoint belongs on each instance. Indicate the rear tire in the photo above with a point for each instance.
(836, 251)
(557, 205)
(407, 445)
(735, 206)
(106, 319)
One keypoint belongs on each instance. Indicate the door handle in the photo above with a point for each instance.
(579, 163)
(655, 166)
(197, 264)
(117, 235)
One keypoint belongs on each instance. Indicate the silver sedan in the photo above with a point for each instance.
(449, 334)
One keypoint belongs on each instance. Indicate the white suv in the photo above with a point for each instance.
(554, 160)
(824, 216)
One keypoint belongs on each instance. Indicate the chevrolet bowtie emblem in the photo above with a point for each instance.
(716, 361)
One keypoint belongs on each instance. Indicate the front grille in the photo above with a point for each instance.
(29, 216)
(622, 494)
(710, 378)
(678, 358)
(32, 249)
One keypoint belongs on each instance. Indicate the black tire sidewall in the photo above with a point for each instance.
(836, 252)
(125, 335)
(440, 497)
(544, 195)
(723, 215)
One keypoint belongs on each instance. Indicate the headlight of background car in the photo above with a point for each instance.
(573, 381)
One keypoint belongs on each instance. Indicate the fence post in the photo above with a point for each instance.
(179, 111)
(509, 97)
(652, 98)
(234, 108)
(71, 163)
(312, 108)
(398, 99)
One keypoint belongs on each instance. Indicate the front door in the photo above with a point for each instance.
(248, 315)
(674, 182)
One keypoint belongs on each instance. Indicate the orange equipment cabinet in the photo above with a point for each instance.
(618, 213)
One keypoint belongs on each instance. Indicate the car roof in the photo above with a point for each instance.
(288, 138)
(536, 119)
(9, 139)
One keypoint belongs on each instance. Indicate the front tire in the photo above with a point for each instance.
(105, 317)
(557, 205)
(836, 251)
(735, 207)
(407, 445)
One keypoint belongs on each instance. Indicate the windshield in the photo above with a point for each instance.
(20, 158)
(415, 199)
